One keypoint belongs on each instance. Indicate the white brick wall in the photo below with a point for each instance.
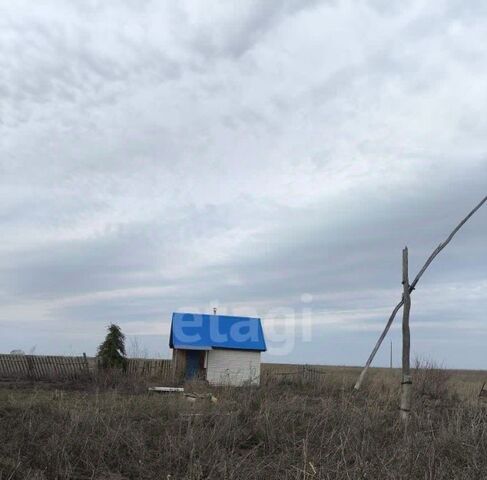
(233, 367)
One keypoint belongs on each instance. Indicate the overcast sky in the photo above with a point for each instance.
(266, 157)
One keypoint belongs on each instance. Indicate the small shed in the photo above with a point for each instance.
(222, 349)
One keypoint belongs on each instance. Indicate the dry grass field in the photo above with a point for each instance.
(289, 428)
(465, 384)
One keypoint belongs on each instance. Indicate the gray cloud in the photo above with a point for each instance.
(155, 157)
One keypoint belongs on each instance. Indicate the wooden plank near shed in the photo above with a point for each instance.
(63, 367)
(40, 367)
(73, 366)
(57, 367)
(53, 367)
(43, 368)
(22, 366)
(9, 363)
(3, 366)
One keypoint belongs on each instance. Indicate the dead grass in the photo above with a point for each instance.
(284, 430)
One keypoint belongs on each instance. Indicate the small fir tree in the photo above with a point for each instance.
(111, 353)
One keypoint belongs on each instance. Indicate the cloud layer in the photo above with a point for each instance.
(157, 156)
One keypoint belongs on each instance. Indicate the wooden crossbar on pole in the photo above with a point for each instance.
(430, 259)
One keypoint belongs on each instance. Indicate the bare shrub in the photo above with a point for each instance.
(430, 381)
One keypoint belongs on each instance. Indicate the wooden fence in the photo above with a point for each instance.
(160, 368)
(292, 373)
(38, 367)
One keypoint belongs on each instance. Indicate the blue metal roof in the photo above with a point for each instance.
(194, 331)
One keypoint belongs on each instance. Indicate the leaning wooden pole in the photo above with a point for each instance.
(406, 341)
(438, 249)
(390, 357)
